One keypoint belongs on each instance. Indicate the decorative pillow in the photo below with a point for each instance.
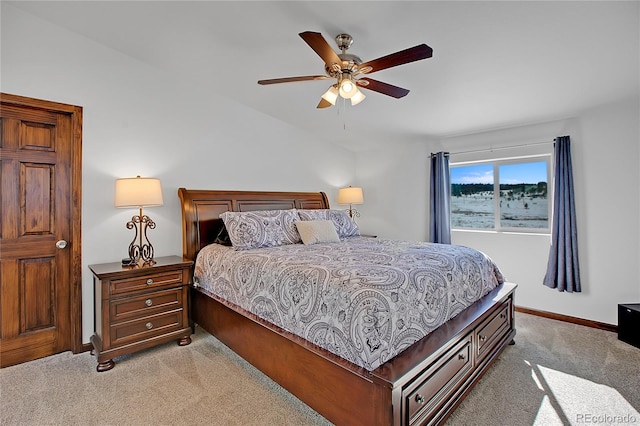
(317, 231)
(262, 228)
(345, 226)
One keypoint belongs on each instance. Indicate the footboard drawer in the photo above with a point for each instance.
(493, 329)
(437, 383)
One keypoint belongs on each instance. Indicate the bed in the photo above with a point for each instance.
(422, 384)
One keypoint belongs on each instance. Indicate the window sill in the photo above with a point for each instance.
(493, 231)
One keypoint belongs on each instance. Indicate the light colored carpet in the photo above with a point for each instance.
(557, 373)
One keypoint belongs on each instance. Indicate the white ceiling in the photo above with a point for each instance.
(495, 64)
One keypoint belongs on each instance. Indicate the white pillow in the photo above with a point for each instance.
(345, 226)
(317, 231)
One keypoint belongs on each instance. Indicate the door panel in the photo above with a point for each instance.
(38, 136)
(39, 307)
(35, 190)
(37, 293)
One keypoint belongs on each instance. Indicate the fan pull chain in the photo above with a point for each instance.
(344, 114)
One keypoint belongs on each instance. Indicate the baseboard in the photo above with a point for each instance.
(567, 318)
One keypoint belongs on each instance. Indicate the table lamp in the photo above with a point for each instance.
(139, 192)
(351, 195)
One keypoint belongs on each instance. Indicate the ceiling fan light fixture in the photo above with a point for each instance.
(345, 67)
(331, 95)
(358, 97)
(348, 88)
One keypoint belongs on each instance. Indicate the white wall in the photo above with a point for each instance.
(140, 121)
(394, 182)
(605, 153)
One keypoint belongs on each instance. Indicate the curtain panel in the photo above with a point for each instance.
(439, 199)
(563, 272)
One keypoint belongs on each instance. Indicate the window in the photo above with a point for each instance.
(501, 195)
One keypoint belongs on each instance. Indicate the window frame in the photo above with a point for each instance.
(496, 163)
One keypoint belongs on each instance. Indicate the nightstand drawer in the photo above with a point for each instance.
(146, 282)
(146, 304)
(143, 328)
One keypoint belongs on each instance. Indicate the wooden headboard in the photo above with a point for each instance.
(201, 211)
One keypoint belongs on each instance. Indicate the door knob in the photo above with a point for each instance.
(61, 244)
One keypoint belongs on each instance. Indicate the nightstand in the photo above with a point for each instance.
(138, 307)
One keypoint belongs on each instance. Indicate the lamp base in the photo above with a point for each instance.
(140, 253)
(140, 262)
(353, 212)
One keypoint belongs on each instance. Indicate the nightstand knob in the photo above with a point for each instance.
(483, 338)
(148, 302)
(420, 399)
(150, 281)
(149, 326)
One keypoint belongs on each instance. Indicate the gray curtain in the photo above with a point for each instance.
(563, 271)
(439, 213)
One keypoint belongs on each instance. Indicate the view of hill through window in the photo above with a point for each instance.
(522, 202)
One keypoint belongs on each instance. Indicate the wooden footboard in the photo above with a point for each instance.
(422, 385)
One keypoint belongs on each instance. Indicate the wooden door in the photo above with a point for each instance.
(40, 229)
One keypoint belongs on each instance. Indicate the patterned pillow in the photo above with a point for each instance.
(262, 228)
(344, 224)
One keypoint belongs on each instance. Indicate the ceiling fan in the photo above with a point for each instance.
(345, 67)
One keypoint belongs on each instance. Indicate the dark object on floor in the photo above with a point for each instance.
(629, 323)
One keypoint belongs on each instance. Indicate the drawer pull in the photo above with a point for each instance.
(483, 338)
(150, 281)
(149, 326)
(148, 302)
(420, 399)
(503, 315)
(462, 357)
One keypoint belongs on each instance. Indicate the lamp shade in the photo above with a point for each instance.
(347, 88)
(331, 95)
(350, 195)
(138, 192)
(358, 97)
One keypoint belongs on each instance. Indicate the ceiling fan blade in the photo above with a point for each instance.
(406, 56)
(321, 47)
(292, 79)
(384, 88)
(324, 103)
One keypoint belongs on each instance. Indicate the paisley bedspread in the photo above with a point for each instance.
(364, 299)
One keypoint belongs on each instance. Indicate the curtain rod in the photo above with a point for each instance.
(500, 148)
